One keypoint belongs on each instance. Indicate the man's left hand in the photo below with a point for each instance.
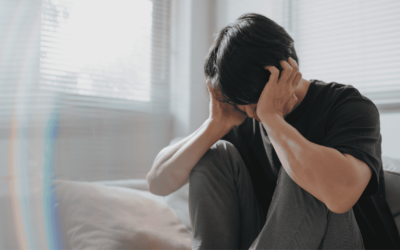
(278, 96)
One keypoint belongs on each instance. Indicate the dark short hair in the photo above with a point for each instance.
(236, 60)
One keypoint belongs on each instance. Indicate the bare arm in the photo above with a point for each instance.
(336, 179)
(169, 151)
(172, 166)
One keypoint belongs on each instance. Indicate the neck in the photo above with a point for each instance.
(301, 90)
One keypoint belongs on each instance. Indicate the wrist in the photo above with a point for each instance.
(271, 120)
(268, 116)
(217, 128)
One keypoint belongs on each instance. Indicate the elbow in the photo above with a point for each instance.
(341, 204)
(151, 184)
(339, 209)
(154, 187)
(342, 197)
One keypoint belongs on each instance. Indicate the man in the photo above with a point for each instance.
(299, 164)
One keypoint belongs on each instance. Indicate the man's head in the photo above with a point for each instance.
(235, 62)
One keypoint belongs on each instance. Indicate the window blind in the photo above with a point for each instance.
(354, 42)
(88, 83)
(103, 53)
(83, 53)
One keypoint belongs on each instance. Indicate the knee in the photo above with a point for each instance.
(220, 152)
(223, 149)
(220, 158)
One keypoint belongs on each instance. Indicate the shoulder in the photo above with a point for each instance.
(336, 91)
(337, 98)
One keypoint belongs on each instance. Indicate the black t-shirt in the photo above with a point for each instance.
(337, 116)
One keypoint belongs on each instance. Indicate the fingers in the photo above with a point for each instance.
(290, 73)
(295, 70)
(274, 73)
(297, 79)
(286, 72)
(296, 76)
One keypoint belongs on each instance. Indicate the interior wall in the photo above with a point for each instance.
(108, 144)
(180, 67)
(192, 30)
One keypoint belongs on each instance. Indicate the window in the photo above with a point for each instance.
(351, 42)
(107, 49)
(94, 118)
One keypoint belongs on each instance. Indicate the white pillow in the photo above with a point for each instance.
(95, 216)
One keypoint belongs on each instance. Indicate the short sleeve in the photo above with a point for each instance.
(353, 127)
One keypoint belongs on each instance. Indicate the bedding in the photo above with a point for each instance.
(179, 202)
(96, 216)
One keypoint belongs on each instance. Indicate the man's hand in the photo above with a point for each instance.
(278, 96)
(224, 115)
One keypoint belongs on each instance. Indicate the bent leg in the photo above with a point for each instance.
(342, 232)
(297, 220)
(223, 208)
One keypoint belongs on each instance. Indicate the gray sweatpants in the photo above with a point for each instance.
(225, 214)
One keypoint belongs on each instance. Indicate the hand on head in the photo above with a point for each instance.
(278, 96)
(223, 113)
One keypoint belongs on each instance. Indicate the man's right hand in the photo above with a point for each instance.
(224, 115)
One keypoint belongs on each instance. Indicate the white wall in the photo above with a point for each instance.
(108, 146)
(191, 37)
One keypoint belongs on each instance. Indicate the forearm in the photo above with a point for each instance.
(172, 168)
(322, 171)
(167, 152)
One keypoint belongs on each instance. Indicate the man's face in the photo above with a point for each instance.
(250, 110)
